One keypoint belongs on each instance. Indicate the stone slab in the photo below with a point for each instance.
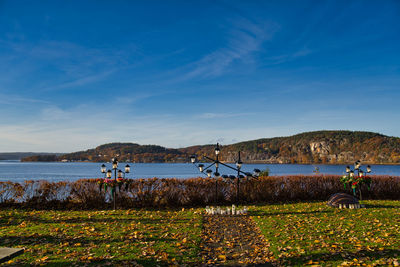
(9, 253)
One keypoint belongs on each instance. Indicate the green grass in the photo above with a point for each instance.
(313, 233)
(120, 237)
(299, 234)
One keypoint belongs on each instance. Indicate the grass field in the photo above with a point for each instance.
(102, 237)
(299, 234)
(313, 233)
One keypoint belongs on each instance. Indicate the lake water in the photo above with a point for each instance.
(57, 171)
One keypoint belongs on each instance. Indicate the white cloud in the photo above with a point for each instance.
(129, 99)
(84, 127)
(72, 65)
(244, 37)
(13, 99)
(209, 115)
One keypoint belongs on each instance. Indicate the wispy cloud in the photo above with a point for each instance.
(129, 99)
(72, 65)
(12, 99)
(283, 58)
(243, 37)
(58, 129)
(92, 78)
(209, 115)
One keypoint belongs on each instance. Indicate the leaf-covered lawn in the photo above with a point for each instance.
(298, 234)
(315, 234)
(121, 237)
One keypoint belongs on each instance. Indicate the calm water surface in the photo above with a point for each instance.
(57, 171)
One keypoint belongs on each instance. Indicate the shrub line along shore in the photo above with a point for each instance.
(194, 192)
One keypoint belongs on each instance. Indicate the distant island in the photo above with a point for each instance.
(21, 155)
(319, 147)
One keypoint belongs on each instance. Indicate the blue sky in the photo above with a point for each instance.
(77, 74)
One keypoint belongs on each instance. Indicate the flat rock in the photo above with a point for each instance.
(341, 198)
(9, 253)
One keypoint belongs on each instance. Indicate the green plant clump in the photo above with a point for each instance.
(264, 173)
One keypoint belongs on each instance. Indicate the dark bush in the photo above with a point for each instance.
(154, 192)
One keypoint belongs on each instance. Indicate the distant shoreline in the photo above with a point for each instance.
(226, 162)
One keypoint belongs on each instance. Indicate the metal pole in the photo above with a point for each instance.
(216, 182)
(237, 190)
(237, 183)
(115, 184)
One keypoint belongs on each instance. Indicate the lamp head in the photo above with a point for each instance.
(217, 174)
(209, 172)
(368, 168)
(103, 168)
(357, 165)
(257, 172)
(201, 167)
(192, 158)
(127, 168)
(347, 169)
(217, 150)
(239, 164)
(115, 163)
(109, 173)
(119, 174)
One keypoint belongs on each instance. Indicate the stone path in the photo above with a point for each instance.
(9, 253)
(233, 241)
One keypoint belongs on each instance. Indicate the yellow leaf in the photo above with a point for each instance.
(222, 257)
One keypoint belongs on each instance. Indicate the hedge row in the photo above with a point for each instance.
(154, 192)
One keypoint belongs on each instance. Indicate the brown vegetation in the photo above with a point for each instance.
(85, 193)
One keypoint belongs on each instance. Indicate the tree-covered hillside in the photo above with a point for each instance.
(312, 147)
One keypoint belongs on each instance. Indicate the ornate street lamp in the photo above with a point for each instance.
(117, 173)
(357, 167)
(360, 174)
(215, 161)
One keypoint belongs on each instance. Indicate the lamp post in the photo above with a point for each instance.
(117, 173)
(360, 173)
(215, 161)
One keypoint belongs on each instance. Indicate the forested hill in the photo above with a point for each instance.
(312, 147)
(124, 152)
(20, 155)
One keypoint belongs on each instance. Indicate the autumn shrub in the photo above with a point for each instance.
(9, 192)
(160, 193)
(85, 193)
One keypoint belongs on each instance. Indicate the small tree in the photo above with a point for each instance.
(264, 173)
